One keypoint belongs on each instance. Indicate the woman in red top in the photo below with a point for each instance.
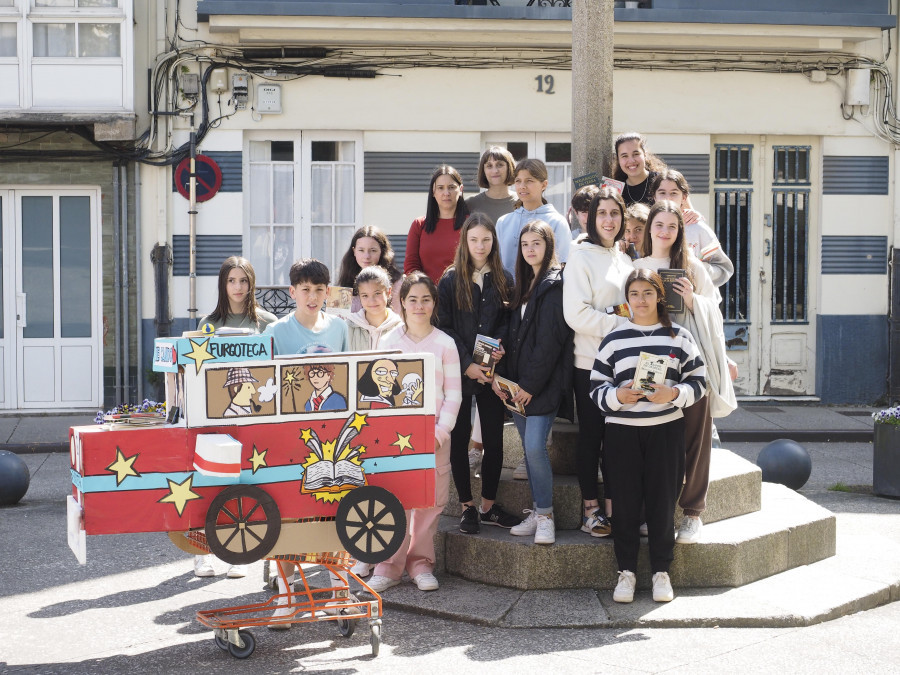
(432, 240)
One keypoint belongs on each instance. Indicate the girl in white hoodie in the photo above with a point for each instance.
(594, 282)
(375, 319)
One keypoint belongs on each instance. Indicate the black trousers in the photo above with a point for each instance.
(591, 427)
(490, 412)
(646, 464)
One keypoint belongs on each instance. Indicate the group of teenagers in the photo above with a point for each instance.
(551, 289)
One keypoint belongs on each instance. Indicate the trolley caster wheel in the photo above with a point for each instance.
(245, 651)
(347, 626)
(221, 643)
(371, 523)
(375, 638)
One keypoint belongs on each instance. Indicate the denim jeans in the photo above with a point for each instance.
(534, 431)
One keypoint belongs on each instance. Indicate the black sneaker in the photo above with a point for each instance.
(497, 516)
(469, 523)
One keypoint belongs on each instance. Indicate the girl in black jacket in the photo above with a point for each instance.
(472, 299)
(539, 358)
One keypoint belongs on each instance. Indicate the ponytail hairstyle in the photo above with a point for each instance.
(676, 177)
(654, 280)
(591, 225)
(679, 255)
(223, 307)
(651, 161)
(526, 280)
(373, 273)
(411, 280)
(464, 267)
(350, 268)
(537, 169)
(433, 211)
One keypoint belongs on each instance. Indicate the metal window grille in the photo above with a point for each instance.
(791, 164)
(790, 221)
(733, 163)
(732, 224)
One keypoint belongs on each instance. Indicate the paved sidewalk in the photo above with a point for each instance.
(751, 422)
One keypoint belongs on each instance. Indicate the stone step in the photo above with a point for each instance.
(734, 490)
(787, 531)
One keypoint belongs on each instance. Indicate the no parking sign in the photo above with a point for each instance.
(209, 178)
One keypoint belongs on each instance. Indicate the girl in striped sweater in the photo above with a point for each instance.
(645, 431)
(418, 304)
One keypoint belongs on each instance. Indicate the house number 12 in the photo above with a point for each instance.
(545, 84)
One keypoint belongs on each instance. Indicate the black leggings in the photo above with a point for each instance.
(591, 428)
(490, 411)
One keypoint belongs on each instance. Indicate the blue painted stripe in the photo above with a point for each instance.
(264, 476)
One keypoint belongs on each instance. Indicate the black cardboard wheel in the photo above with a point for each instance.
(242, 524)
(371, 523)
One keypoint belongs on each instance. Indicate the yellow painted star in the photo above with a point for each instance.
(199, 352)
(305, 435)
(402, 442)
(289, 376)
(258, 459)
(359, 421)
(180, 493)
(123, 467)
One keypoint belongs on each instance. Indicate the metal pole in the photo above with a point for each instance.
(592, 86)
(117, 290)
(192, 220)
(126, 287)
(139, 305)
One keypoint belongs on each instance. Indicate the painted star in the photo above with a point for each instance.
(123, 467)
(258, 459)
(180, 493)
(402, 442)
(199, 352)
(359, 421)
(289, 376)
(306, 435)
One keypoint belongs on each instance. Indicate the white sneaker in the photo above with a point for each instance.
(521, 471)
(203, 566)
(643, 529)
(284, 609)
(380, 584)
(236, 572)
(689, 532)
(361, 569)
(662, 587)
(426, 581)
(546, 530)
(527, 527)
(625, 588)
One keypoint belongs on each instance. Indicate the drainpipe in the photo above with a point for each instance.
(139, 309)
(117, 290)
(126, 288)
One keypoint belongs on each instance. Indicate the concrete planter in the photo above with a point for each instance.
(886, 461)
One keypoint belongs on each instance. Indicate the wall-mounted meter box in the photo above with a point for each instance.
(268, 98)
(218, 81)
(240, 90)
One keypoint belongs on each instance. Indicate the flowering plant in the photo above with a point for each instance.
(147, 406)
(887, 416)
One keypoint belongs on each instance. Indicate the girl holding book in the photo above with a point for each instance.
(236, 308)
(595, 282)
(418, 333)
(665, 247)
(473, 294)
(645, 429)
(375, 319)
(433, 238)
(369, 246)
(539, 359)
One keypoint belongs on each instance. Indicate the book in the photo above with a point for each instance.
(510, 388)
(651, 369)
(613, 183)
(226, 331)
(620, 310)
(483, 354)
(674, 302)
(330, 476)
(587, 179)
(339, 300)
